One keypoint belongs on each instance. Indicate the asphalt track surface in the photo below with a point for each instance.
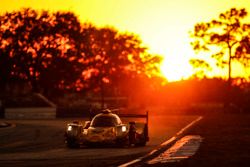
(41, 143)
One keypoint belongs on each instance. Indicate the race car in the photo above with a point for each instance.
(107, 128)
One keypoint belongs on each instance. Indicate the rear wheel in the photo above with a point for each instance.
(143, 138)
(142, 142)
(123, 142)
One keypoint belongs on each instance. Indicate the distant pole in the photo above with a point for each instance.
(102, 93)
(147, 121)
(230, 67)
(229, 84)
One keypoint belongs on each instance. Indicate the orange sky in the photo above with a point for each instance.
(163, 25)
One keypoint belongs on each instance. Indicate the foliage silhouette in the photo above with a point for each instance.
(226, 38)
(113, 55)
(41, 47)
(54, 51)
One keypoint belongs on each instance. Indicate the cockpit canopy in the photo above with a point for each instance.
(105, 120)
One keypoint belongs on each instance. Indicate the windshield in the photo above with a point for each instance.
(105, 121)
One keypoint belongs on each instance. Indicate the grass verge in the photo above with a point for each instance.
(226, 142)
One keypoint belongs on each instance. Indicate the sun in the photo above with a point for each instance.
(176, 54)
(176, 68)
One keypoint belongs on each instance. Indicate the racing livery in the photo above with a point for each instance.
(107, 128)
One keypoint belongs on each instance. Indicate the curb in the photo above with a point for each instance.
(162, 147)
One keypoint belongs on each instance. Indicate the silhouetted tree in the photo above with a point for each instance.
(5, 67)
(113, 58)
(53, 51)
(65, 68)
(226, 38)
(42, 48)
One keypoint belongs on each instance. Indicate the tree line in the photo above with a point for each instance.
(56, 52)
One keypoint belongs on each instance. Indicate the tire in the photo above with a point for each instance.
(142, 143)
(143, 138)
(123, 142)
(72, 144)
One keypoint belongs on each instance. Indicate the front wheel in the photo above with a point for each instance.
(72, 143)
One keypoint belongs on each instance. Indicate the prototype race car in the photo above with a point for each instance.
(107, 128)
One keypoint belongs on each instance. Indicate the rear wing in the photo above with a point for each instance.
(117, 111)
(120, 114)
(135, 116)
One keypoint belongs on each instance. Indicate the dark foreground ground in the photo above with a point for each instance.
(226, 142)
(39, 143)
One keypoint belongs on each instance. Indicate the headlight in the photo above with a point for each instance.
(69, 128)
(124, 128)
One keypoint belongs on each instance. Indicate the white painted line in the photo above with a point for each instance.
(168, 141)
(163, 144)
(130, 163)
(189, 125)
(153, 151)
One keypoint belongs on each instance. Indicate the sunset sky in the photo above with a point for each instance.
(163, 25)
